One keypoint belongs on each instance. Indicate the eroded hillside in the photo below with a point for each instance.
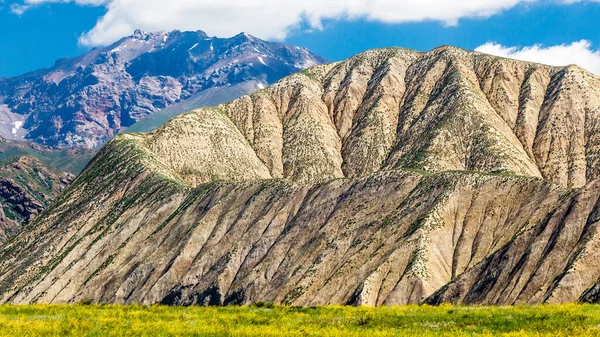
(393, 177)
(448, 109)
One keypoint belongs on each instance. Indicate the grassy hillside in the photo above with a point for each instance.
(266, 320)
(64, 160)
(208, 97)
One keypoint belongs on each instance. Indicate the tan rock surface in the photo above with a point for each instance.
(393, 177)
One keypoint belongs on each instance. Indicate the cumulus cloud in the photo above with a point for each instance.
(580, 53)
(269, 19)
(18, 9)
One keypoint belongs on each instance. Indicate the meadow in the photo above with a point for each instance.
(268, 320)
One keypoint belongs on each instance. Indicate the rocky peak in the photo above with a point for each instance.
(142, 35)
(243, 37)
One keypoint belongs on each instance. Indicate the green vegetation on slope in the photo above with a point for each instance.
(208, 97)
(268, 320)
(65, 160)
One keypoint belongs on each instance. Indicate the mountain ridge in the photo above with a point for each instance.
(390, 178)
(523, 157)
(80, 103)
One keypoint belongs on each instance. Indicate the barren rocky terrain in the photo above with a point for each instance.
(392, 177)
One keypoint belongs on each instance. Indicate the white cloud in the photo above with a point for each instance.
(270, 19)
(18, 9)
(569, 2)
(79, 2)
(580, 53)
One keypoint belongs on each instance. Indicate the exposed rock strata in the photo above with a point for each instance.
(393, 177)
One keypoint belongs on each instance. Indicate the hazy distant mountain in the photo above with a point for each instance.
(392, 177)
(31, 176)
(86, 100)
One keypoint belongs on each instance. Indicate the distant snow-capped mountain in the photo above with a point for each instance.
(83, 101)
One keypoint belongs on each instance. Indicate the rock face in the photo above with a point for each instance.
(85, 101)
(393, 177)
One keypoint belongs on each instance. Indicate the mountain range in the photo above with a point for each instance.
(392, 177)
(135, 84)
(86, 100)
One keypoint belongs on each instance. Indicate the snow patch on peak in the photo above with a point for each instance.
(306, 64)
(16, 126)
(194, 46)
(261, 86)
(261, 60)
(119, 48)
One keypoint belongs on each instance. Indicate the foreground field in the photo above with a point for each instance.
(112, 320)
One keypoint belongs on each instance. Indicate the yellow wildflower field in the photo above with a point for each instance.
(269, 320)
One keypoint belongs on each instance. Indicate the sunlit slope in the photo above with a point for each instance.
(393, 177)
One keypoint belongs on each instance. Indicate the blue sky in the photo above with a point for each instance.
(34, 33)
(520, 26)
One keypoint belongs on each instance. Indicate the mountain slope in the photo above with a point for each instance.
(84, 101)
(394, 108)
(208, 97)
(393, 177)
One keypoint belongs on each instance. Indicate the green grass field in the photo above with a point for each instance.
(113, 320)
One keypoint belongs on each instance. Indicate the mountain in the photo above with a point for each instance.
(86, 100)
(392, 177)
(82, 102)
(31, 176)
